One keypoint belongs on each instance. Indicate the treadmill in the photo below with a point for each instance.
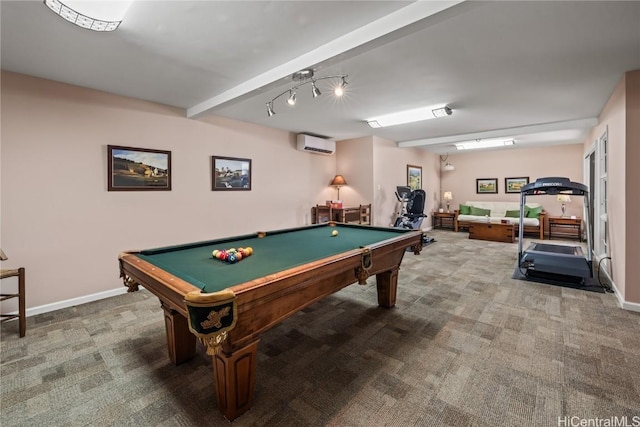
(547, 261)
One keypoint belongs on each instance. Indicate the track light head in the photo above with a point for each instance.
(292, 98)
(339, 90)
(270, 111)
(314, 89)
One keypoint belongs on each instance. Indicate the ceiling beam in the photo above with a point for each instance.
(401, 18)
(504, 133)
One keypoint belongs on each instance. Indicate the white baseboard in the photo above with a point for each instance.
(631, 306)
(75, 301)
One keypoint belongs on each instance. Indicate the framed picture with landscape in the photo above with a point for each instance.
(414, 177)
(230, 173)
(138, 169)
(513, 185)
(486, 185)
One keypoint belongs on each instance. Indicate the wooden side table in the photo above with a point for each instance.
(442, 219)
(565, 227)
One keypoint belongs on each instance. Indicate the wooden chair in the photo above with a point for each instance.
(365, 214)
(323, 213)
(19, 273)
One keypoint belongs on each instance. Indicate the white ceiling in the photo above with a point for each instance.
(539, 72)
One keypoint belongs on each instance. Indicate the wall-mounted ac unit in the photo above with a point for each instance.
(313, 144)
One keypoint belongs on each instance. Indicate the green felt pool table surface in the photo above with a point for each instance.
(277, 251)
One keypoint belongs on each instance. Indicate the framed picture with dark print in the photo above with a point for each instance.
(486, 185)
(138, 169)
(414, 177)
(513, 185)
(230, 174)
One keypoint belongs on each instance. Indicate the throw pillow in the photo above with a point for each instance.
(479, 211)
(533, 212)
(512, 214)
(465, 210)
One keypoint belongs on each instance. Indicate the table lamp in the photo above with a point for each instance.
(564, 198)
(448, 197)
(338, 181)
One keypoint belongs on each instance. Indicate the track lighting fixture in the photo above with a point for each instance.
(302, 78)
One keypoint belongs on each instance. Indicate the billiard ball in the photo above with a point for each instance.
(215, 253)
(334, 233)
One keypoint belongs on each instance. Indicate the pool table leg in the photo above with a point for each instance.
(181, 343)
(235, 375)
(387, 284)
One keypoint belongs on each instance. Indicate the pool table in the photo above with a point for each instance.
(287, 271)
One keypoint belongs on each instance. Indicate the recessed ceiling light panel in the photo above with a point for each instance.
(410, 116)
(484, 143)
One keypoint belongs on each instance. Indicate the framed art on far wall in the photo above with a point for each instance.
(486, 185)
(513, 185)
(230, 173)
(138, 169)
(414, 177)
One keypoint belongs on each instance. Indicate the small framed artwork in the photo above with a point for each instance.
(486, 185)
(138, 169)
(230, 173)
(414, 177)
(513, 185)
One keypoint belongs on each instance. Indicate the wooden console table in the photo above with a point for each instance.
(443, 219)
(345, 214)
(565, 227)
(493, 231)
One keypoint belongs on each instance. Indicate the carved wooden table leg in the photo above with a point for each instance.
(181, 343)
(235, 376)
(387, 284)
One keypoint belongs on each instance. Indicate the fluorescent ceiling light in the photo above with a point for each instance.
(483, 143)
(92, 15)
(410, 116)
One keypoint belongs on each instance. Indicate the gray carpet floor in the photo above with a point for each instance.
(466, 345)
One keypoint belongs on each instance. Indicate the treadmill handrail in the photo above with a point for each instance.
(555, 185)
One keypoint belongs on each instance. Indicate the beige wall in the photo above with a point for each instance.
(354, 161)
(552, 161)
(620, 118)
(632, 187)
(390, 171)
(60, 222)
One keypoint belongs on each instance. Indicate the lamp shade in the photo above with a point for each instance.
(448, 167)
(338, 181)
(447, 195)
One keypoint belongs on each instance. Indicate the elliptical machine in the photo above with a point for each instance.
(411, 212)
